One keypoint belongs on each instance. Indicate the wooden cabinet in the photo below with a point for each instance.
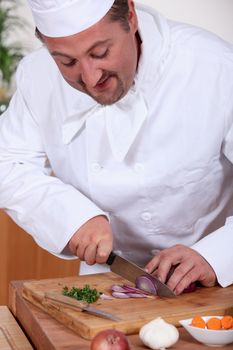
(21, 258)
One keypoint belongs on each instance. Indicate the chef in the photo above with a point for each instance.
(120, 137)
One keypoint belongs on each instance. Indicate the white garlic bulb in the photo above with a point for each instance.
(158, 334)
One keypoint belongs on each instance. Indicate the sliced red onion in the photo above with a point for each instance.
(120, 295)
(118, 288)
(106, 297)
(130, 289)
(146, 283)
(191, 288)
(137, 295)
(125, 288)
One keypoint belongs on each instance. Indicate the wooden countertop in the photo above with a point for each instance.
(47, 333)
(11, 335)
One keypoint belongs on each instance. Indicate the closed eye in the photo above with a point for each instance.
(69, 64)
(99, 56)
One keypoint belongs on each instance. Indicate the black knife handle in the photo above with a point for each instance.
(111, 258)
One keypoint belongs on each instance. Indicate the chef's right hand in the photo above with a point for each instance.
(93, 241)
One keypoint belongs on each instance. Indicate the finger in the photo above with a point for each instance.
(103, 250)
(207, 276)
(171, 254)
(161, 264)
(78, 246)
(163, 270)
(179, 273)
(80, 251)
(210, 282)
(90, 254)
(73, 243)
(153, 264)
(169, 260)
(190, 277)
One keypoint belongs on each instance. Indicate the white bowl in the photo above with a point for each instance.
(208, 336)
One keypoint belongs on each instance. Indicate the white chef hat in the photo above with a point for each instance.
(59, 18)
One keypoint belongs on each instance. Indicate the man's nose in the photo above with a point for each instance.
(90, 74)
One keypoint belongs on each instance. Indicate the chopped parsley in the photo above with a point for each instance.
(90, 295)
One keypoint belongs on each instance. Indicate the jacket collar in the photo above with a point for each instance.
(124, 119)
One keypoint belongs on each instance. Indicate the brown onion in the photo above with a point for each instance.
(110, 339)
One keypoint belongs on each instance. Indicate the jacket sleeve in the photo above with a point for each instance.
(40, 203)
(217, 247)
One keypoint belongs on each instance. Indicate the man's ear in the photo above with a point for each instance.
(132, 16)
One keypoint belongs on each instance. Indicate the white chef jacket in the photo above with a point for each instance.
(158, 163)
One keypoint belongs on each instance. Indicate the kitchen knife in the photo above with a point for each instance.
(62, 300)
(131, 271)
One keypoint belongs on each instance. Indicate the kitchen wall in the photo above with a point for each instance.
(213, 15)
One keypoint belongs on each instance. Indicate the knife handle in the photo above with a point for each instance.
(111, 258)
(64, 300)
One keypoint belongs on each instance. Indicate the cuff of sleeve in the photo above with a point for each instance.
(216, 248)
(53, 226)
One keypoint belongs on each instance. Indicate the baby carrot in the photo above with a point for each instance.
(227, 322)
(214, 323)
(198, 321)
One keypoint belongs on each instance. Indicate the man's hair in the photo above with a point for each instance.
(38, 34)
(118, 12)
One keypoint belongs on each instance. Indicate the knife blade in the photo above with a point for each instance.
(131, 271)
(74, 304)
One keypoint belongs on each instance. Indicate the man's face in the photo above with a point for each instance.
(100, 61)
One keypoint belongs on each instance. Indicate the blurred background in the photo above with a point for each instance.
(213, 15)
(20, 257)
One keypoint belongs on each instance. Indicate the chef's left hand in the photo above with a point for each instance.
(190, 266)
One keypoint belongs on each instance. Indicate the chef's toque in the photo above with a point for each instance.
(59, 18)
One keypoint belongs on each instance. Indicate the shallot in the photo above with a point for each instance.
(106, 297)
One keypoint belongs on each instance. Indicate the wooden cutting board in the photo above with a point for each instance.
(133, 313)
(11, 335)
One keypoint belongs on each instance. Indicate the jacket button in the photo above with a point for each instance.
(95, 167)
(146, 216)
